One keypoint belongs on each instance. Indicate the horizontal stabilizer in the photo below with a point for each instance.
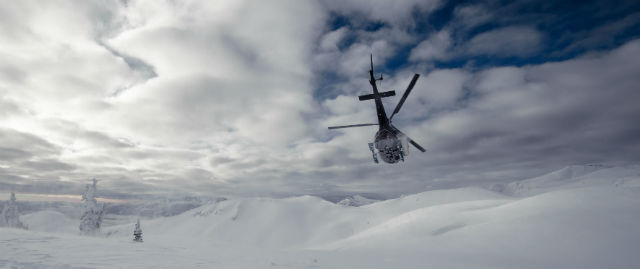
(354, 125)
(371, 96)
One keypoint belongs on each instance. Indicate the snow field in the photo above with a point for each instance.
(575, 217)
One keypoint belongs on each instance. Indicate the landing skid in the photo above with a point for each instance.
(373, 153)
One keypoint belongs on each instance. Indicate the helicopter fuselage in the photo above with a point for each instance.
(388, 145)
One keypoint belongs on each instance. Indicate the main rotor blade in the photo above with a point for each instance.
(410, 140)
(416, 145)
(404, 96)
(354, 125)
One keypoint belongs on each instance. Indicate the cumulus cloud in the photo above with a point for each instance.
(331, 40)
(434, 48)
(576, 111)
(124, 89)
(441, 88)
(469, 16)
(516, 41)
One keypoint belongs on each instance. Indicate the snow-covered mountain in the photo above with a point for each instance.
(574, 217)
(356, 200)
(576, 176)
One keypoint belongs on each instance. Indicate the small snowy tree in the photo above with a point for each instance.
(137, 232)
(91, 218)
(10, 214)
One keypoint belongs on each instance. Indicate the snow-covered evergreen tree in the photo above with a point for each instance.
(10, 216)
(137, 232)
(91, 218)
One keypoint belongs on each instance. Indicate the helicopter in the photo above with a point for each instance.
(390, 143)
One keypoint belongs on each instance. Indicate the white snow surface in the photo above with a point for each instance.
(577, 176)
(50, 221)
(585, 217)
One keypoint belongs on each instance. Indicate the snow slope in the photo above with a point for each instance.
(575, 217)
(577, 176)
(50, 221)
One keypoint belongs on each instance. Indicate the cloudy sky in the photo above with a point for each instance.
(233, 98)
